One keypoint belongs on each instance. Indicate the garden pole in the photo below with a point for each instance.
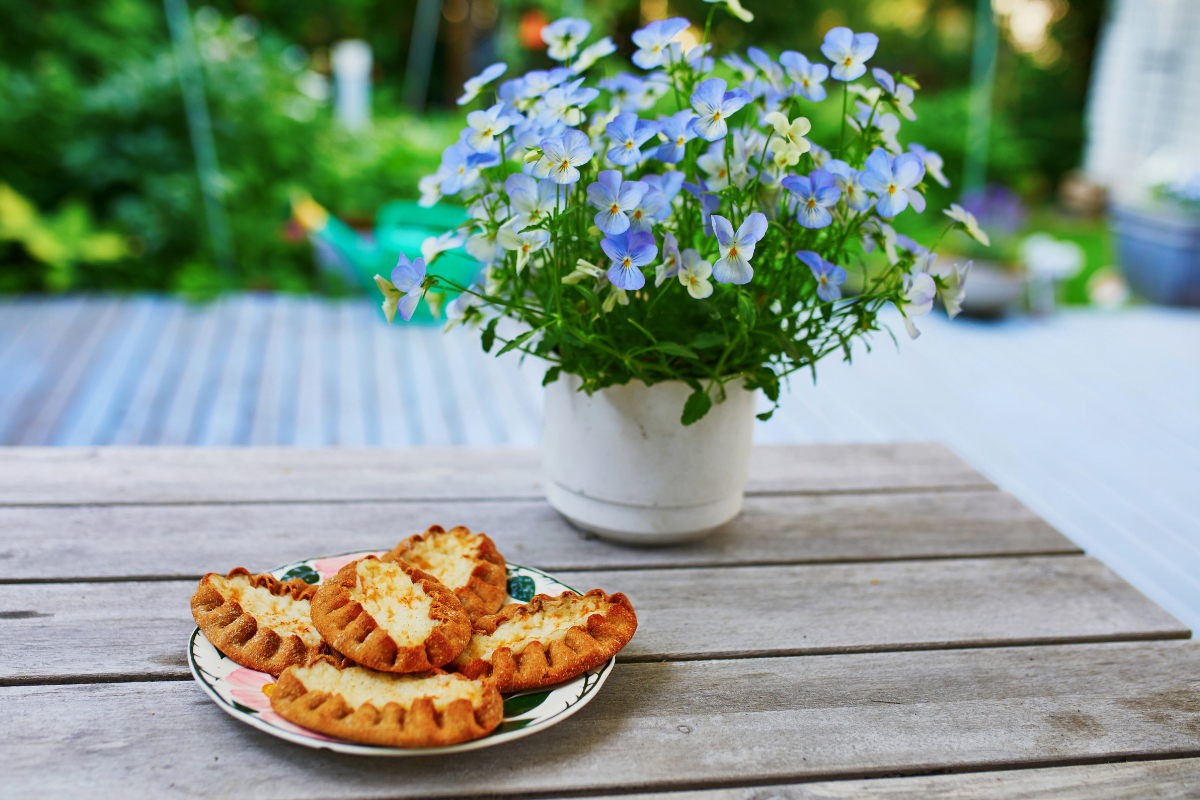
(204, 149)
(420, 54)
(983, 77)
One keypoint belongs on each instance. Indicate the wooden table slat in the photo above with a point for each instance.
(88, 542)
(691, 725)
(1173, 779)
(224, 475)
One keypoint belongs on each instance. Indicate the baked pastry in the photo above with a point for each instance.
(363, 705)
(548, 639)
(467, 563)
(258, 621)
(390, 616)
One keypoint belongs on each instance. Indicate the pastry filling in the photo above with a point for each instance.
(398, 605)
(450, 557)
(359, 685)
(545, 626)
(285, 616)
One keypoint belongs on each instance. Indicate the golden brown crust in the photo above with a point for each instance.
(240, 636)
(418, 725)
(350, 629)
(565, 656)
(486, 588)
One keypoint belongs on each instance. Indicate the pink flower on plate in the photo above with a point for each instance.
(252, 689)
(328, 567)
(248, 687)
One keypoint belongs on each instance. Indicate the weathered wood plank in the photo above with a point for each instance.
(691, 724)
(723, 612)
(184, 475)
(87, 542)
(1174, 779)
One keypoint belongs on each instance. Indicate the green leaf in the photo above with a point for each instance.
(489, 335)
(766, 415)
(520, 587)
(747, 310)
(513, 344)
(551, 375)
(304, 573)
(516, 706)
(708, 339)
(697, 405)
(590, 296)
(675, 349)
(515, 725)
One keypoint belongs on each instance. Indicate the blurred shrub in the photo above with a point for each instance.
(99, 125)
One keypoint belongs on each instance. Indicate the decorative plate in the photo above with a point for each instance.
(244, 693)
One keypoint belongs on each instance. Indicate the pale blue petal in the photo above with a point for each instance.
(733, 270)
(408, 305)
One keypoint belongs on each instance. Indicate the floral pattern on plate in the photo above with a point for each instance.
(245, 693)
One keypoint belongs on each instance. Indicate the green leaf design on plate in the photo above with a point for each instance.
(516, 706)
(242, 708)
(515, 725)
(521, 587)
(304, 573)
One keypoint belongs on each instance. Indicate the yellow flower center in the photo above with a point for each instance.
(629, 145)
(812, 203)
(626, 262)
(849, 61)
(717, 116)
(615, 208)
(566, 165)
(892, 189)
(733, 251)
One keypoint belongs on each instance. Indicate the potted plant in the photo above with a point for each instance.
(1158, 231)
(671, 268)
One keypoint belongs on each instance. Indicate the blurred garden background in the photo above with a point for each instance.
(98, 161)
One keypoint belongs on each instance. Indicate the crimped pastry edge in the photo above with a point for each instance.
(350, 629)
(487, 587)
(540, 664)
(237, 634)
(419, 725)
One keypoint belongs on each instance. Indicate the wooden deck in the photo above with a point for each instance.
(889, 625)
(1092, 419)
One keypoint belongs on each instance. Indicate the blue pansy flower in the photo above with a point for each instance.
(402, 293)
(615, 198)
(628, 251)
(627, 134)
(561, 156)
(653, 40)
(849, 181)
(891, 179)
(737, 249)
(647, 210)
(933, 162)
(830, 277)
(714, 106)
(849, 52)
(564, 37)
(677, 131)
(484, 126)
(473, 86)
(806, 76)
(668, 184)
(814, 195)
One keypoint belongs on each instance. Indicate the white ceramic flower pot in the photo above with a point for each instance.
(620, 464)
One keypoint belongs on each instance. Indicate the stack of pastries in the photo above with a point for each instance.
(409, 649)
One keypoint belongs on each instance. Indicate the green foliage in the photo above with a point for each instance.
(99, 126)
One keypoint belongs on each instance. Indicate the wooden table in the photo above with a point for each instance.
(880, 621)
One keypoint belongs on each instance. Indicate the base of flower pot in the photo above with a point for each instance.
(648, 525)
